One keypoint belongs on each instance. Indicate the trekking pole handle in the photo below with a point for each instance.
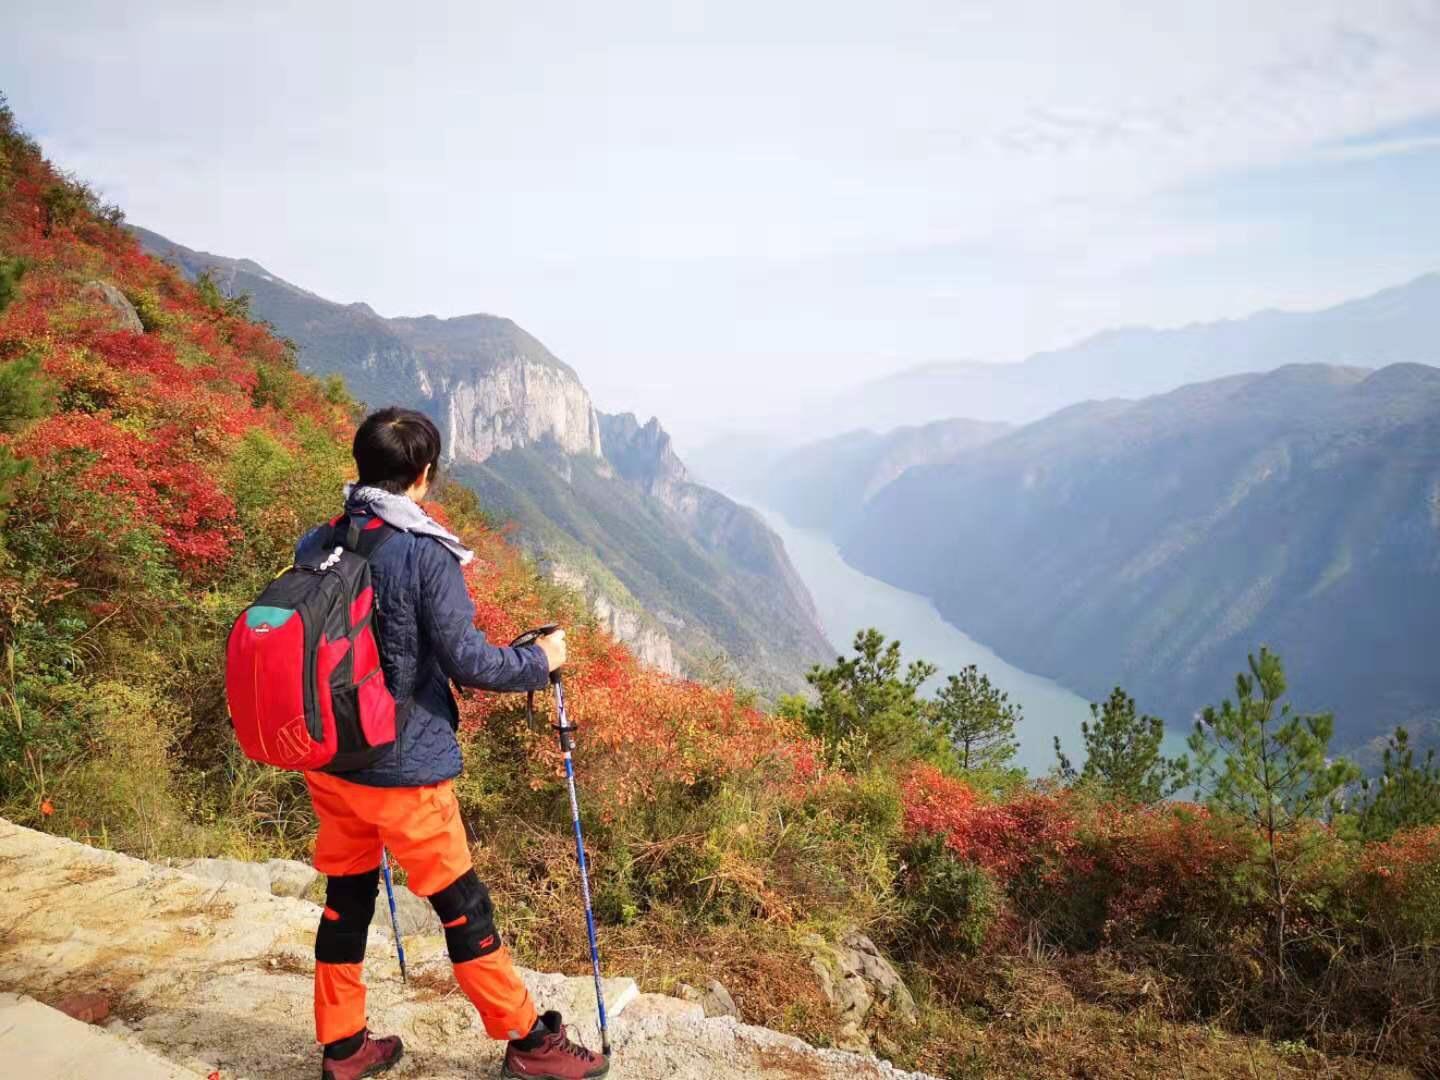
(529, 637)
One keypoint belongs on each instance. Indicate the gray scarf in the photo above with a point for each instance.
(404, 513)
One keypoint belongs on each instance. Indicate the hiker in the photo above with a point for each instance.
(405, 801)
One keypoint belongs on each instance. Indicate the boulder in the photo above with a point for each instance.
(227, 871)
(291, 878)
(113, 298)
(858, 953)
(853, 976)
(715, 1000)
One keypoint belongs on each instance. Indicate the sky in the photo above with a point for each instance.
(714, 210)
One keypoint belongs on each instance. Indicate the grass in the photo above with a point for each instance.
(1016, 1017)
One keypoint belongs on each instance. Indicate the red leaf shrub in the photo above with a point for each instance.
(144, 478)
(1397, 882)
(1033, 833)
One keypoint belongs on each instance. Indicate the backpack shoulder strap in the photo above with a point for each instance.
(347, 532)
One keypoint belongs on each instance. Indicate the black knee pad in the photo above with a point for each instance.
(468, 916)
(352, 898)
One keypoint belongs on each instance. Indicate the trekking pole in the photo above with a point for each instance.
(394, 919)
(567, 746)
(564, 730)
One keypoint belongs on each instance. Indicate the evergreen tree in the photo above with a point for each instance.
(11, 270)
(1122, 753)
(25, 393)
(1257, 759)
(978, 718)
(866, 707)
(1404, 795)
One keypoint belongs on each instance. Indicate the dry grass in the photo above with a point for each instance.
(1085, 1017)
(1088, 1018)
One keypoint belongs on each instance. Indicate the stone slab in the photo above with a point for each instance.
(41, 1043)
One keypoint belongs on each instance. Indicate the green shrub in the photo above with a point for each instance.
(153, 316)
(948, 902)
(25, 393)
(11, 270)
(272, 387)
(336, 392)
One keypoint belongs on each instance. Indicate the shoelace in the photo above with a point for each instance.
(564, 1044)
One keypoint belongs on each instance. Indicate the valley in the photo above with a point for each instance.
(850, 600)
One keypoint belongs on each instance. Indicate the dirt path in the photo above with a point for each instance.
(216, 977)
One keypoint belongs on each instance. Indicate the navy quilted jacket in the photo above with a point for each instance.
(427, 636)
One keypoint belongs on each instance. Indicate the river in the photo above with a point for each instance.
(848, 600)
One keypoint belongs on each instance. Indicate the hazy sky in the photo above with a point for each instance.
(711, 208)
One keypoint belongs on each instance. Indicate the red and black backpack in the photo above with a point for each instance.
(302, 668)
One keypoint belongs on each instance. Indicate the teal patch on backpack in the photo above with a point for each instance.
(273, 617)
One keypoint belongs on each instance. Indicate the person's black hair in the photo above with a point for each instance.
(393, 446)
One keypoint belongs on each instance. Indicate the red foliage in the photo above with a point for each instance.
(1034, 832)
(150, 419)
(1395, 864)
(144, 478)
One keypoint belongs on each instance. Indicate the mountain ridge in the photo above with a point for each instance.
(1119, 538)
(1397, 324)
(512, 415)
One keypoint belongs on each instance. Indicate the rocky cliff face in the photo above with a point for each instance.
(488, 384)
(513, 404)
(645, 456)
(636, 628)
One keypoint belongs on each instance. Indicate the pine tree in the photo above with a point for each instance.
(25, 393)
(11, 270)
(1259, 760)
(1122, 753)
(867, 708)
(978, 718)
(1404, 795)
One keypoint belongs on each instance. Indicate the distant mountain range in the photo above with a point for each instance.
(1396, 325)
(686, 576)
(1154, 543)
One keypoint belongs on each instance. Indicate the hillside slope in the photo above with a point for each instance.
(673, 577)
(713, 575)
(1155, 543)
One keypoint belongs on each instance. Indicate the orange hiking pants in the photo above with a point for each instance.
(422, 828)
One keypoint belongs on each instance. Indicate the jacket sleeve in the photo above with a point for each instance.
(448, 616)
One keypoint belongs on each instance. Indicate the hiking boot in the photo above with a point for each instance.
(556, 1058)
(375, 1056)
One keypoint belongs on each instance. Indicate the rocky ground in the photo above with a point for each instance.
(206, 975)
